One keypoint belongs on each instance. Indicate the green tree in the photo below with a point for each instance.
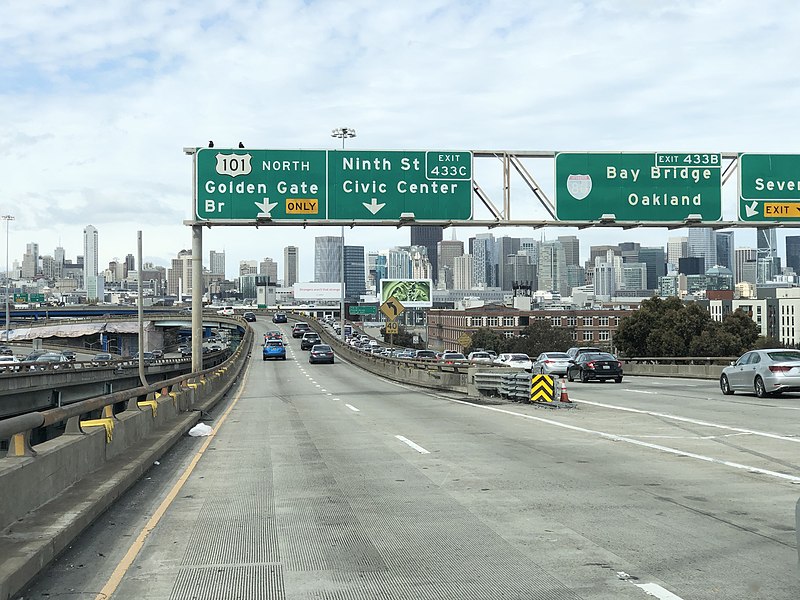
(487, 339)
(540, 336)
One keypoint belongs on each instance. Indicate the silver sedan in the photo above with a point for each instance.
(764, 372)
(552, 363)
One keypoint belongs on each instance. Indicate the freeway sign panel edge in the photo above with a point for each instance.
(769, 192)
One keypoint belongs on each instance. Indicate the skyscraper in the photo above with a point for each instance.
(677, 247)
(552, 268)
(462, 272)
(354, 272)
(30, 261)
(769, 263)
(483, 250)
(290, 266)
(446, 252)
(572, 249)
(745, 259)
(269, 268)
(504, 247)
(90, 263)
(656, 265)
(725, 248)
(327, 259)
(216, 262)
(428, 236)
(702, 244)
(793, 252)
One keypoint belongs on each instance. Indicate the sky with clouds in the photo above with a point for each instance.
(97, 100)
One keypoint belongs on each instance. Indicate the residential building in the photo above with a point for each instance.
(742, 256)
(269, 268)
(248, 267)
(677, 248)
(462, 272)
(179, 275)
(483, 260)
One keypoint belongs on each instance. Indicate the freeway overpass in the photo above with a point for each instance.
(328, 481)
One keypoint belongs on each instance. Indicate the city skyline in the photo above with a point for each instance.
(94, 132)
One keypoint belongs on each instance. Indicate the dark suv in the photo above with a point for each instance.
(310, 339)
(299, 329)
(575, 352)
(279, 318)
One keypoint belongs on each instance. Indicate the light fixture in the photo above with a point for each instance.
(407, 216)
(694, 218)
(608, 218)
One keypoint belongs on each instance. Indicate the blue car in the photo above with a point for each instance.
(274, 349)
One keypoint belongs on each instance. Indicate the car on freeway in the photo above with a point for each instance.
(425, 355)
(405, 354)
(185, 351)
(9, 362)
(147, 357)
(158, 354)
(320, 353)
(552, 363)
(6, 351)
(226, 311)
(450, 358)
(279, 317)
(32, 356)
(601, 366)
(310, 339)
(49, 358)
(575, 351)
(298, 329)
(479, 356)
(102, 358)
(514, 359)
(216, 348)
(273, 334)
(70, 354)
(764, 373)
(274, 349)
(249, 316)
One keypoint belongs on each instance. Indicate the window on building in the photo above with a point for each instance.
(493, 322)
(508, 321)
(587, 336)
(508, 334)
(555, 321)
(603, 321)
(604, 336)
(574, 336)
(587, 322)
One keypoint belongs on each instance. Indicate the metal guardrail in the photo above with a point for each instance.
(23, 424)
(679, 360)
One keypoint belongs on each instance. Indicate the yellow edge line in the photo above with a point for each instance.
(122, 568)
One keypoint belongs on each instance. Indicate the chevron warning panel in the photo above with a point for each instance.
(542, 388)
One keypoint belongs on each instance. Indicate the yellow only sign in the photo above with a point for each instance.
(302, 206)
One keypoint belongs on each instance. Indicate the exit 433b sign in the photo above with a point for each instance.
(666, 187)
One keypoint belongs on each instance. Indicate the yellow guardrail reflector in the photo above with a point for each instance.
(108, 423)
(151, 403)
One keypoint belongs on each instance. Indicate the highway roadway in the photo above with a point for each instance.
(324, 481)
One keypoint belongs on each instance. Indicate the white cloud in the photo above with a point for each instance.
(98, 99)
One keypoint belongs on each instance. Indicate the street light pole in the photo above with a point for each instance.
(7, 219)
(343, 133)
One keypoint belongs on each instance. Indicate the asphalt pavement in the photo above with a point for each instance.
(323, 481)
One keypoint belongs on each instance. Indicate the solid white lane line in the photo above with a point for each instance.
(688, 420)
(416, 447)
(653, 589)
(620, 438)
(351, 407)
(641, 391)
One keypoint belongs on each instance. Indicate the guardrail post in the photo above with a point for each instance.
(74, 426)
(20, 445)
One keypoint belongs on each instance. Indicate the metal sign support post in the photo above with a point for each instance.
(197, 298)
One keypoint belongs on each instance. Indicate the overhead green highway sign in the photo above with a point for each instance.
(363, 310)
(657, 187)
(769, 187)
(299, 185)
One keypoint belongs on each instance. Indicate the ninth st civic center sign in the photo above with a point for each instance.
(638, 187)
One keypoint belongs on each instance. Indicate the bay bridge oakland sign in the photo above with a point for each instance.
(665, 187)
(287, 185)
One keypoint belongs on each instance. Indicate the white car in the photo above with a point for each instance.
(514, 359)
(479, 356)
(9, 362)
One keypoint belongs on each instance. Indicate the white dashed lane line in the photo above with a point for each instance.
(353, 408)
(408, 442)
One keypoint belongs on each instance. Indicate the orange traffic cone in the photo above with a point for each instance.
(564, 395)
